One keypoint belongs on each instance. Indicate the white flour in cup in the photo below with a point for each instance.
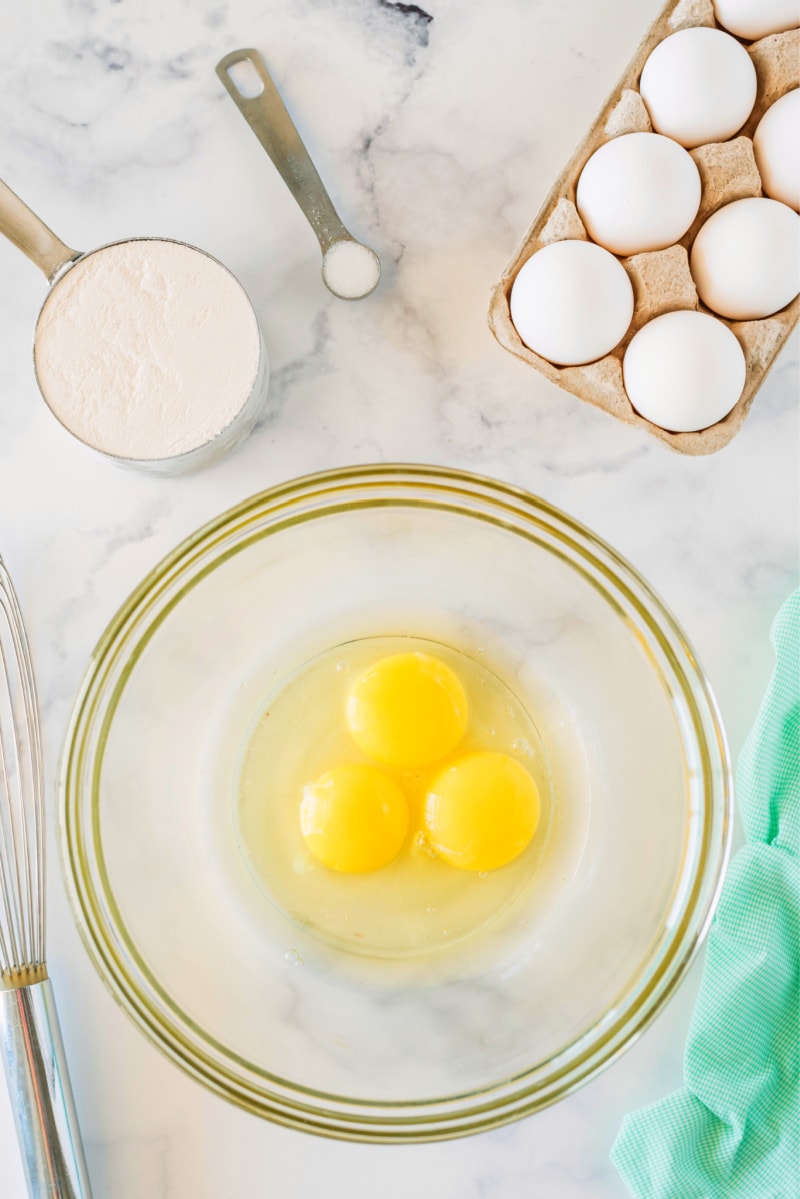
(146, 349)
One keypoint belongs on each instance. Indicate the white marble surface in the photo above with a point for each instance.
(439, 139)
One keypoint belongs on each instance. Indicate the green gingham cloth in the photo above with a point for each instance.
(733, 1131)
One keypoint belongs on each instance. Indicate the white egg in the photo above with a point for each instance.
(745, 260)
(638, 192)
(699, 86)
(684, 371)
(776, 143)
(752, 19)
(572, 302)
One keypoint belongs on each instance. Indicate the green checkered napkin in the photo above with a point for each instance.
(733, 1131)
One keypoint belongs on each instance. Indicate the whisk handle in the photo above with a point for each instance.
(32, 1053)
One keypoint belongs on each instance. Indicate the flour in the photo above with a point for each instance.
(146, 349)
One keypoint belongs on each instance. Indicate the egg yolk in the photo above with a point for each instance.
(354, 818)
(407, 710)
(481, 811)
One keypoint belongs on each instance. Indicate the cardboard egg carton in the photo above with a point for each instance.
(661, 279)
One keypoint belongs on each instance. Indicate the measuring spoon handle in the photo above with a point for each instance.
(267, 116)
(31, 235)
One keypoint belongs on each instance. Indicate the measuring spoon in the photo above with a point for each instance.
(350, 270)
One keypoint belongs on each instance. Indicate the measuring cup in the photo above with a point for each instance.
(21, 226)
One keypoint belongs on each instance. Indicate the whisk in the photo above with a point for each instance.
(31, 1048)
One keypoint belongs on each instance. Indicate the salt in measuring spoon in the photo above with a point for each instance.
(350, 270)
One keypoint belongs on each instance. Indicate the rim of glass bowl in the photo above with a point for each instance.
(102, 929)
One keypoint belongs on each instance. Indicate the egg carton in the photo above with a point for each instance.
(662, 281)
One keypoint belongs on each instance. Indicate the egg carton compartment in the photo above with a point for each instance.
(662, 281)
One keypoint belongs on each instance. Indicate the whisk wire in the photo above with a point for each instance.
(10, 932)
(10, 935)
(22, 916)
(9, 849)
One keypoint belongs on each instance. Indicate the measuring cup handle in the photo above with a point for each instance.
(31, 235)
(267, 116)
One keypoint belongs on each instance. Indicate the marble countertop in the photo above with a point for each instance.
(439, 132)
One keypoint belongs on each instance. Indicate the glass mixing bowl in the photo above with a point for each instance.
(515, 1016)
